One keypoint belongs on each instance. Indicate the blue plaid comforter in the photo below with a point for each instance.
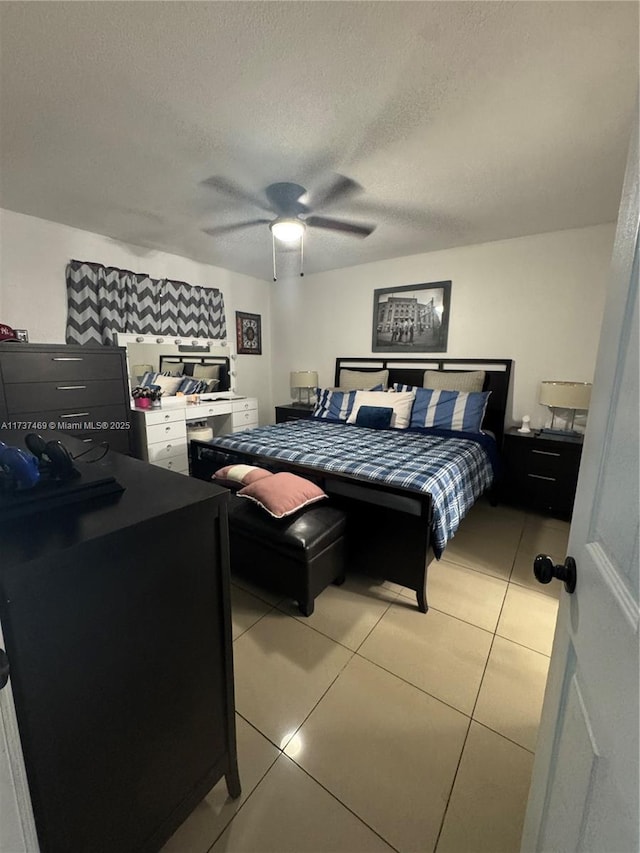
(454, 471)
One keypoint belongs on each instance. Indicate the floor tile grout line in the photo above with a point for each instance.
(452, 616)
(452, 786)
(373, 627)
(523, 646)
(411, 684)
(504, 737)
(259, 619)
(343, 804)
(471, 721)
(318, 631)
(328, 688)
(244, 802)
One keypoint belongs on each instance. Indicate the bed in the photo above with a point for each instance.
(404, 491)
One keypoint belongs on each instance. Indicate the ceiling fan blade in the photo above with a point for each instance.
(284, 196)
(338, 225)
(232, 189)
(226, 229)
(339, 188)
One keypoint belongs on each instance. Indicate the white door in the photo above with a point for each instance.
(17, 829)
(584, 791)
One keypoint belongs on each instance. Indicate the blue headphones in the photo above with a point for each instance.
(50, 459)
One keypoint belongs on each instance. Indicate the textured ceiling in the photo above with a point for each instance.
(463, 122)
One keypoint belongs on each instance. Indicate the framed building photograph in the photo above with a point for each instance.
(412, 318)
(248, 334)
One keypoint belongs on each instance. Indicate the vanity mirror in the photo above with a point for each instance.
(200, 359)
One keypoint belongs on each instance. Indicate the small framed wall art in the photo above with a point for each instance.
(248, 334)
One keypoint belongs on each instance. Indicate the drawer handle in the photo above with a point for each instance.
(166, 417)
(86, 440)
(76, 415)
(70, 387)
(545, 453)
(167, 429)
(168, 447)
(169, 464)
(540, 477)
(68, 358)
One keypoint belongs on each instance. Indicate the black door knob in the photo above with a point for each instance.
(4, 668)
(545, 571)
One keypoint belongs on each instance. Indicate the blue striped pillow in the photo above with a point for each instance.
(149, 379)
(455, 410)
(333, 405)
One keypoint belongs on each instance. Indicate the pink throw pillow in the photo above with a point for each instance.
(241, 475)
(282, 494)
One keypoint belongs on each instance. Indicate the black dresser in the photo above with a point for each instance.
(542, 470)
(116, 620)
(82, 391)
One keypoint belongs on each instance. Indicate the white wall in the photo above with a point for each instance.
(538, 300)
(33, 257)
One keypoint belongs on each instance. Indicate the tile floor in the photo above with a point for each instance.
(373, 727)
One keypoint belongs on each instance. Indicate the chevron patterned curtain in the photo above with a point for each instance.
(195, 312)
(104, 300)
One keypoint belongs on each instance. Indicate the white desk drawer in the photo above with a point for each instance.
(163, 416)
(164, 431)
(174, 464)
(208, 410)
(166, 450)
(245, 405)
(244, 428)
(245, 419)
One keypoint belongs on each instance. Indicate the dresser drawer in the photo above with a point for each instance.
(163, 432)
(118, 440)
(208, 410)
(166, 450)
(244, 419)
(554, 462)
(68, 396)
(58, 366)
(162, 416)
(245, 405)
(75, 421)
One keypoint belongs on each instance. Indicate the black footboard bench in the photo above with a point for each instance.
(387, 532)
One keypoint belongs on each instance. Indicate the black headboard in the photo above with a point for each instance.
(410, 371)
(186, 364)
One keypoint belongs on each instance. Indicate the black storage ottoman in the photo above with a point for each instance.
(297, 556)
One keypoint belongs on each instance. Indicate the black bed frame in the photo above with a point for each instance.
(388, 528)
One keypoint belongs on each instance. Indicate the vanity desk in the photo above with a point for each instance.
(161, 435)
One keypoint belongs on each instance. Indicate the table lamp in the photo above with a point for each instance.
(564, 395)
(304, 380)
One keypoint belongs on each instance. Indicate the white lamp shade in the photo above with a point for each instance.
(304, 379)
(565, 395)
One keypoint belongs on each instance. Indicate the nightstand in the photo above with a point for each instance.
(293, 412)
(541, 471)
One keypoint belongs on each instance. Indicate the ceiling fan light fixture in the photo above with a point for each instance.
(287, 230)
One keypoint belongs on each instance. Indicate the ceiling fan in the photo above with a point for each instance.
(292, 216)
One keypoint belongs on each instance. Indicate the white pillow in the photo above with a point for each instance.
(168, 384)
(400, 401)
(355, 380)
